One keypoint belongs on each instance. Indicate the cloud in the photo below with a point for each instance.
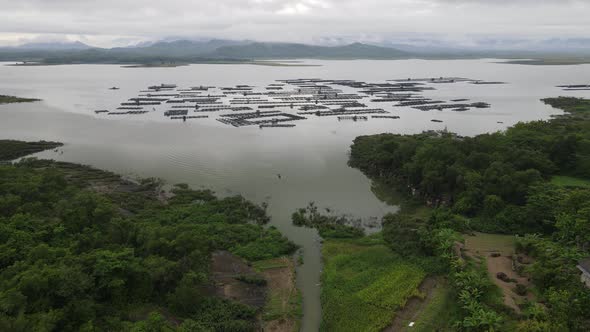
(111, 22)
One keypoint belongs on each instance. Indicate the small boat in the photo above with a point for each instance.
(114, 88)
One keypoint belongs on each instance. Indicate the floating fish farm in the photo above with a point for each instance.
(284, 103)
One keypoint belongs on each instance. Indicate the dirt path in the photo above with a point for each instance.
(414, 305)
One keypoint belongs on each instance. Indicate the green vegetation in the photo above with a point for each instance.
(532, 178)
(76, 259)
(12, 99)
(363, 284)
(328, 226)
(438, 313)
(10, 149)
(570, 181)
(284, 300)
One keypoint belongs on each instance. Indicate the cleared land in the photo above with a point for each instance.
(282, 312)
(364, 284)
(481, 246)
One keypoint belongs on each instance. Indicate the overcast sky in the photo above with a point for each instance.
(124, 22)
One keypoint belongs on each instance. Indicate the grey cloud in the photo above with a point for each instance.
(109, 22)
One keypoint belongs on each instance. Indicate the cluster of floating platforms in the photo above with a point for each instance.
(575, 87)
(284, 103)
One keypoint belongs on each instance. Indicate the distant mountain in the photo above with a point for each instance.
(54, 46)
(216, 50)
(179, 48)
(291, 50)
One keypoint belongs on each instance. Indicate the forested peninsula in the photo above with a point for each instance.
(88, 250)
(506, 216)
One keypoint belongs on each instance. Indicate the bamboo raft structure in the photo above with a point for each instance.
(385, 117)
(277, 125)
(189, 117)
(353, 118)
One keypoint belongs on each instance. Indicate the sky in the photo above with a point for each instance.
(108, 23)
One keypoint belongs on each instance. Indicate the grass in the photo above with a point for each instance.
(363, 284)
(284, 300)
(485, 243)
(439, 313)
(570, 181)
(12, 99)
(268, 264)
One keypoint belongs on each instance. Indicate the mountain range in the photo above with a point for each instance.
(190, 51)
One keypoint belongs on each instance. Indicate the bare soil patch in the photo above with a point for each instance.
(225, 269)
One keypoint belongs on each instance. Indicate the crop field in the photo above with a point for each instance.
(364, 285)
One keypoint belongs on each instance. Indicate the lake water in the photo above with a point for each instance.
(311, 157)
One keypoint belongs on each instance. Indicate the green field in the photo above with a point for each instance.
(439, 313)
(569, 181)
(363, 284)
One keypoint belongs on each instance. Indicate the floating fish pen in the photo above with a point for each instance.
(129, 108)
(162, 86)
(257, 118)
(434, 80)
(117, 113)
(175, 112)
(353, 118)
(434, 120)
(201, 88)
(346, 112)
(277, 125)
(395, 99)
(189, 117)
(384, 116)
(148, 99)
(574, 86)
(159, 95)
(486, 82)
(345, 104)
(419, 102)
(312, 107)
(175, 101)
(458, 100)
(460, 109)
(142, 103)
(101, 111)
(251, 114)
(137, 112)
(441, 107)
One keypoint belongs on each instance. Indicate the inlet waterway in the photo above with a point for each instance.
(311, 157)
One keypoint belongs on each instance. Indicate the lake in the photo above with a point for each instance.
(311, 157)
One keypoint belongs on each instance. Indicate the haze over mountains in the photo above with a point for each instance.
(189, 51)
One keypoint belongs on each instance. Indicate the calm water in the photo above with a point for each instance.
(310, 157)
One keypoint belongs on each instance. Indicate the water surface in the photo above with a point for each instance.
(311, 157)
